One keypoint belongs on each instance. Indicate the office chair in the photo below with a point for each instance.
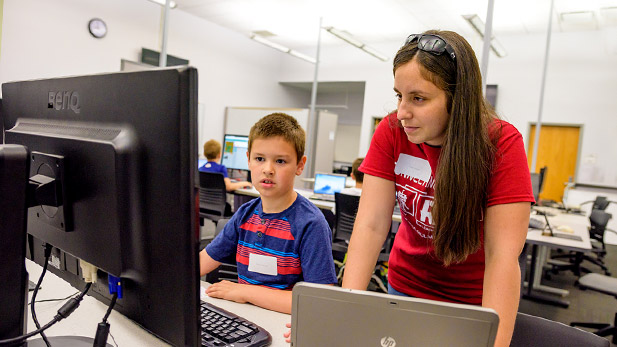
(600, 203)
(605, 285)
(346, 210)
(212, 197)
(598, 221)
(540, 332)
(228, 269)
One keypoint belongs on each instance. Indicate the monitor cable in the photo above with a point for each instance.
(63, 312)
(47, 254)
(102, 330)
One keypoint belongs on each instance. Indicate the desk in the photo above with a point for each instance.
(125, 332)
(540, 246)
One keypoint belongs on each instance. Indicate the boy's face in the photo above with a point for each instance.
(274, 165)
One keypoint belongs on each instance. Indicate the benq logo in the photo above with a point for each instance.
(388, 342)
(64, 100)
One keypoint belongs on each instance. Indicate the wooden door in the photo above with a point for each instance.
(558, 152)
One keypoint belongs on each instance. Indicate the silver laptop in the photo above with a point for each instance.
(326, 185)
(325, 315)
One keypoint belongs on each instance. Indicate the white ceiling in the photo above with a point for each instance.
(295, 23)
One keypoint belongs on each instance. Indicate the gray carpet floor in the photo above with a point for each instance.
(585, 305)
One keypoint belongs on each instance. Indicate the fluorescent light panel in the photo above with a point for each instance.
(477, 23)
(172, 4)
(282, 48)
(355, 42)
(302, 56)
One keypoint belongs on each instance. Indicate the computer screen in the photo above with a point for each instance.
(120, 148)
(235, 148)
(535, 186)
(328, 184)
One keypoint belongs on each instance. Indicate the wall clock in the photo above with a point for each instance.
(97, 28)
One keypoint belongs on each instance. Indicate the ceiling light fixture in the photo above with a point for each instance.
(478, 24)
(355, 42)
(282, 48)
(172, 4)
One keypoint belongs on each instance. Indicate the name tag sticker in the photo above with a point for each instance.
(262, 264)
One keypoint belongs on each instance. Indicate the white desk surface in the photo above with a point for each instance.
(90, 312)
(578, 223)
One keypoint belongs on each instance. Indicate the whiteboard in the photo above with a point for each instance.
(239, 120)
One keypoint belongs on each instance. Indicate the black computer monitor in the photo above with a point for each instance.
(13, 275)
(535, 186)
(235, 148)
(121, 149)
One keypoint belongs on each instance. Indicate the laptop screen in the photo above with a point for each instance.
(328, 184)
(323, 315)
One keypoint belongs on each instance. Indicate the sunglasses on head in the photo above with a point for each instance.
(433, 44)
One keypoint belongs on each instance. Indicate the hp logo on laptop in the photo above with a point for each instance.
(388, 341)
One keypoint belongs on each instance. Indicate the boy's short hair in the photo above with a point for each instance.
(279, 124)
(359, 175)
(212, 149)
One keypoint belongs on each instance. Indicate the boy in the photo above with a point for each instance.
(358, 176)
(212, 152)
(280, 238)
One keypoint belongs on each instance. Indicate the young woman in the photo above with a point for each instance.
(461, 179)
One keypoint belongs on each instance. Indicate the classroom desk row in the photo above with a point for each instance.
(540, 249)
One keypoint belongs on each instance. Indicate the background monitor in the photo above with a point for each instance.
(328, 184)
(235, 148)
(121, 149)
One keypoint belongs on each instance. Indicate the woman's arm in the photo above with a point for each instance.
(370, 230)
(505, 230)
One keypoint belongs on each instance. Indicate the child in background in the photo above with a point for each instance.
(279, 238)
(212, 152)
(358, 176)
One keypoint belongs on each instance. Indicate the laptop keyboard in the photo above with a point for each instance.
(223, 328)
(324, 197)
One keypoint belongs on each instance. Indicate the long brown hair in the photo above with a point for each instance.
(466, 158)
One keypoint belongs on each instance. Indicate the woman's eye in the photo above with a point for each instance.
(417, 98)
(398, 97)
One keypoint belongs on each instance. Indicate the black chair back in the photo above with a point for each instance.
(212, 195)
(539, 332)
(598, 219)
(346, 210)
(601, 203)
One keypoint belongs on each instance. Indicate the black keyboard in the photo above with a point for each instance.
(535, 223)
(223, 328)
